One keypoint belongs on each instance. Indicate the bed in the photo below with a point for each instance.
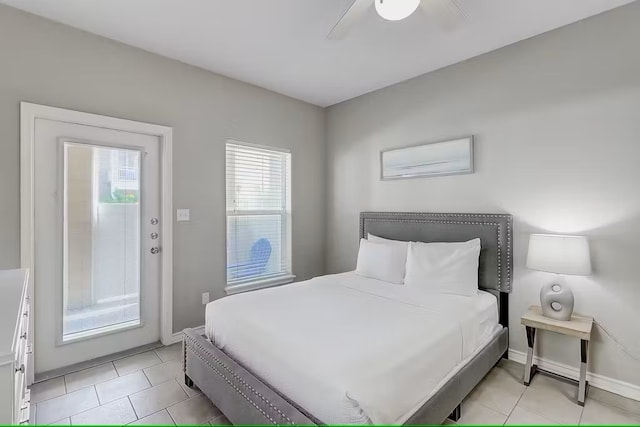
(328, 366)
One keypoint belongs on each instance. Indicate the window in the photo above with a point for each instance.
(258, 216)
(101, 241)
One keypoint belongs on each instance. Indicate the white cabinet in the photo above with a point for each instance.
(15, 346)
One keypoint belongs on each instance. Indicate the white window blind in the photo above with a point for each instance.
(258, 214)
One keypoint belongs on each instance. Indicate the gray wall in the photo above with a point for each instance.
(557, 126)
(48, 63)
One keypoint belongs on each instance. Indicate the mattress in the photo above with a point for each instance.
(349, 349)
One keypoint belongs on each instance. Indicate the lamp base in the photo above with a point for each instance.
(556, 301)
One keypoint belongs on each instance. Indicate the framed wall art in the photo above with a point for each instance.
(451, 157)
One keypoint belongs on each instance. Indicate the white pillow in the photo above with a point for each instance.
(374, 238)
(450, 268)
(380, 261)
(398, 245)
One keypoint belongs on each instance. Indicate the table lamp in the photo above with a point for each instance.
(562, 255)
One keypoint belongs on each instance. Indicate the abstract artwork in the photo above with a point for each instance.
(450, 157)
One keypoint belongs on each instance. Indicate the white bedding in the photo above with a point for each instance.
(349, 349)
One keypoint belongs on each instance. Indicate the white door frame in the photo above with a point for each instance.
(28, 114)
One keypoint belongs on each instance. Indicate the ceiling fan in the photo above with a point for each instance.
(447, 13)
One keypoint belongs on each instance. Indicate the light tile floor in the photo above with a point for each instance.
(501, 398)
(148, 388)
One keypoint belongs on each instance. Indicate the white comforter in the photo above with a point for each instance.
(350, 349)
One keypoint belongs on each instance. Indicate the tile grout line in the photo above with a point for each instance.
(115, 370)
(491, 409)
(580, 419)
(150, 415)
(63, 376)
(81, 412)
(543, 415)
(55, 397)
(94, 384)
(171, 416)
(147, 377)
(181, 389)
(514, 406)
(104, 360)
(582, 409)
(134, 409)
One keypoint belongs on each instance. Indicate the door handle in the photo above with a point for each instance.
(155, 250)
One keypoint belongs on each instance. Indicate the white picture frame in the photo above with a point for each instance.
(449, 157)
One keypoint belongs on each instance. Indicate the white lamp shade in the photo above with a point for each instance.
(395, 10)
(559, 254)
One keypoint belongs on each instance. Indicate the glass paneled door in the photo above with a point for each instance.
(101, 239)
(97, 233)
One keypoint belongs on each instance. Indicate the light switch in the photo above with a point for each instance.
(183, 215)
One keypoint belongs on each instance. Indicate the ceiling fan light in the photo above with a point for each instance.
(395, 10)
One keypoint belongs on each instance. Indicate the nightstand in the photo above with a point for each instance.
(578, 327)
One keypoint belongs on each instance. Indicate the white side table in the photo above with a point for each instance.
(578, 327)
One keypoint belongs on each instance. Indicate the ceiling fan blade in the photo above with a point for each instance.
(353, 14)
(447, 13)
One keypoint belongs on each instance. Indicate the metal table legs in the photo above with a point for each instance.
(582, 385)
(530, 369)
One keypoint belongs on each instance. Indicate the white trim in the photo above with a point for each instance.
(177, 337)
(100, 332)
(259, 284)
(258, 146)
(27, 218)
(255, 212)
(166, 177)
(28, 114)
(621, 388)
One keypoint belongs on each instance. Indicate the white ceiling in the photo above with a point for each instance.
(280, 44)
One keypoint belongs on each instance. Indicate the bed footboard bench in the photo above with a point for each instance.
(241, 397)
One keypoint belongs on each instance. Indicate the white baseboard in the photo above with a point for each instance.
(622, 388)
(177, 337)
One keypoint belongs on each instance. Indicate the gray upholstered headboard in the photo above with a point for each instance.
(494, 231)
(495, 271)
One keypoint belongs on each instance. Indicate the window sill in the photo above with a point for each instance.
(261, 284)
